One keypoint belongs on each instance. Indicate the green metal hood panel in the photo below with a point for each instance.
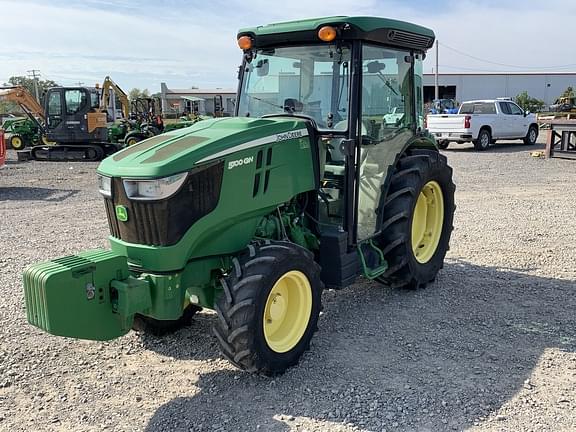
(180, 150)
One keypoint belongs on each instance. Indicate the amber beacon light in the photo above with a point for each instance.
(245, 42)
(327, 33)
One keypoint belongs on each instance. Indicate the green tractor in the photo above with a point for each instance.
(23, 132)
(252, 216)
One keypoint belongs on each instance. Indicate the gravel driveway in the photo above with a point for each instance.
(490, 346)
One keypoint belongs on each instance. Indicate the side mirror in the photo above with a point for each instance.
(292, 106)
(375, 67)
(526, 113)
(262, 67)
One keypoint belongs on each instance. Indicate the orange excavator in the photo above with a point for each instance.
(77, 120)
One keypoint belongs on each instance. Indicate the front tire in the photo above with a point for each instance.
(17, 142)
(417, 218)
(131, 140)
(531, 136)
(483, 141)
(269, 308)
(156, 327)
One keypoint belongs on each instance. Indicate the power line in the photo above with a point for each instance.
(504, 64)
(34, 72)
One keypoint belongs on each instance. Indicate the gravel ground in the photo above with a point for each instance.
(491, 346)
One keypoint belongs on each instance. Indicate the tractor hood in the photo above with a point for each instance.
(207, 140)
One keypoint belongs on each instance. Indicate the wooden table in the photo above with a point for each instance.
(561, 137)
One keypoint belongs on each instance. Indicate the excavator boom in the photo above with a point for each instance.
(105, 96)
(22, 97)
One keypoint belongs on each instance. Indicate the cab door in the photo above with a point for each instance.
(519, 126)
(387, 88)
(54, 109)
(506, 122)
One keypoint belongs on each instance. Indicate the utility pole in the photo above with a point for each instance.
(436, 95)
(35, 74)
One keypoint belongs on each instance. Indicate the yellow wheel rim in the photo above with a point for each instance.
(131, 141)
(287, 311)
(46, 141)
(16, 143)
(427, 222)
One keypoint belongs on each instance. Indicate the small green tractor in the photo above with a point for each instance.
(23, 132)
(252, 216)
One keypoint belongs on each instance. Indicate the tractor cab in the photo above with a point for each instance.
(358, 82)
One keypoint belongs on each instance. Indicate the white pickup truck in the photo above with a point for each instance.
(483, 122)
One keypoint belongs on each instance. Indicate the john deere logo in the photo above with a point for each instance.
(121, 213)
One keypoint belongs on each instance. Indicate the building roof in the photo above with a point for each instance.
(200, 91)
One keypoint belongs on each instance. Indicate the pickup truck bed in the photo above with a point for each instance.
(483, 122)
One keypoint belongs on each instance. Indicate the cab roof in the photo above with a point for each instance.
(379, 30)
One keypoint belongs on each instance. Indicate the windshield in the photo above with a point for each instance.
(305, 80)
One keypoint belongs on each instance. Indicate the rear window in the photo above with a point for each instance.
(478, 108)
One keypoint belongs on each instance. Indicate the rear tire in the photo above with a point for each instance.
(17, 142)
(483, 141)
(531, 136)
(443, 145)
(419, 172)
(269, 308)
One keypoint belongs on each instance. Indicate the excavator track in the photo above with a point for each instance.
(72, 152)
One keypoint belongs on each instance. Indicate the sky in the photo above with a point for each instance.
(193, 43)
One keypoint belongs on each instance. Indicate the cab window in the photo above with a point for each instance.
(504, 108)
(75, 100)
(386, 92)
(515, 109)
(94, 99)
(478, 108)
(54, 104)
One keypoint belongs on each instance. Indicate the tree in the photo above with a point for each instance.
(8, 107)
(136, 93)
(28, 83)
(528, 103)
(568, 93)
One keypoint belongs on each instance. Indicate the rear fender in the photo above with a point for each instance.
(423, 142)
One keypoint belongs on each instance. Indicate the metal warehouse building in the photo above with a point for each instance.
(178, 101)
(546, 86)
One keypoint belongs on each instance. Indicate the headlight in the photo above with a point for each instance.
(155, 189)
(105, 185)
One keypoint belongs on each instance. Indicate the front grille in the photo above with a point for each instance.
(111, 216)
(164, 222)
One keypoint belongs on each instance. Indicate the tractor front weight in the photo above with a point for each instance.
(95, 296)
